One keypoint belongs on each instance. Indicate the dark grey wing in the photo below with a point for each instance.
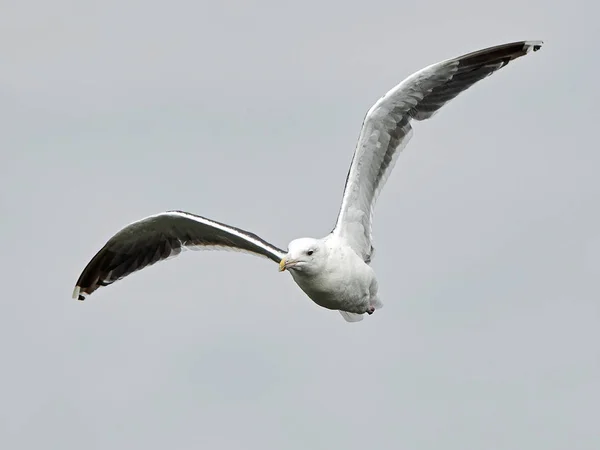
(387, 129)
(162, 236)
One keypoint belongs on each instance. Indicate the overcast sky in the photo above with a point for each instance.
(487, 232)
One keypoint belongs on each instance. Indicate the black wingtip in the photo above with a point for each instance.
(533, 45)
(77, 294)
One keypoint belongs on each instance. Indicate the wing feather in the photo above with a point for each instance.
(161, 237)
(387, 129)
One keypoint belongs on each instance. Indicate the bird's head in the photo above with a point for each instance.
(304, 255)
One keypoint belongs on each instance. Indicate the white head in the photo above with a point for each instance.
(305, 255)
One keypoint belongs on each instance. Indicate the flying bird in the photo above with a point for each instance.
(333, 271)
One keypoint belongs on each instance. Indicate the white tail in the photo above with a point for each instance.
(351, 317)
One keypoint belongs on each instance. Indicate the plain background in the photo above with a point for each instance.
(487, 233)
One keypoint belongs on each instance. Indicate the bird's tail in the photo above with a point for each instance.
(351, 317)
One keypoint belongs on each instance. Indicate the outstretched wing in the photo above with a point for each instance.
(162, 236)
(386, 130)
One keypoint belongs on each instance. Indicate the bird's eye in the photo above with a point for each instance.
(310, 252)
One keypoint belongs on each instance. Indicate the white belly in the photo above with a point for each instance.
(346, 284)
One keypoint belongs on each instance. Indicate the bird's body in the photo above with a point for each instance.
(343, 281)
(334, 271)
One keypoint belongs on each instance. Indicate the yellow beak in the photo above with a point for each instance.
(282, 265)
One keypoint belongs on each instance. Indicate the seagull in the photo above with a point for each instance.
(333, 271)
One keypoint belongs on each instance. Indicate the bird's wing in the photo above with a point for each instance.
(387, 129)
(156, 238)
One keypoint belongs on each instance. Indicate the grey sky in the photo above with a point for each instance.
(487, 232)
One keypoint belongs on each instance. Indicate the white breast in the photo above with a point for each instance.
(343, 283)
